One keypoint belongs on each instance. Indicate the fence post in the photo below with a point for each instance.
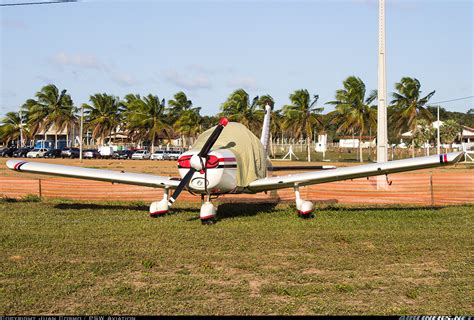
(39, 188)
(431, 189)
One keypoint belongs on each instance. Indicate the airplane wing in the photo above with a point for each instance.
(367, 170)
(139, 179)
(294, 168)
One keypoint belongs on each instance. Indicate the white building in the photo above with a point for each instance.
(353, 142)
(53, 138)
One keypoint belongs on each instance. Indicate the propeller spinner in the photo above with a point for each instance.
(198, 161)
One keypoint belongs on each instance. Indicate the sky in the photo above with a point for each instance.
(210, 48)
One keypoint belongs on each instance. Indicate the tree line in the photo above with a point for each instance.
(148, 118)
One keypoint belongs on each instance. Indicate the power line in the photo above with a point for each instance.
(457, 99)
(33, 3)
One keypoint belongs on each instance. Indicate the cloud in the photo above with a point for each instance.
(189, 82)
(78, 60)
(124, 79)
(199, 68)
(90, 61)
(243, 82)
(13, 24)
(44, 79)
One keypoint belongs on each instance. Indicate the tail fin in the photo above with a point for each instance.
(264, 138)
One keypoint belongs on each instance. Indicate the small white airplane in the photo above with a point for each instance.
(230, 159)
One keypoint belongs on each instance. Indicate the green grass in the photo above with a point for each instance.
(69, 257)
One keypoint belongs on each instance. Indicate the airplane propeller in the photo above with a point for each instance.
(198, 161)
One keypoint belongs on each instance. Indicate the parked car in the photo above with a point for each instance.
(22, 152)
(158, 155)
(141, 155)
(172, 155)
(53, 153)
(8, 152)
(91, 154)
(123, 154)
(70, 153)
(36, 153)
(106, 151)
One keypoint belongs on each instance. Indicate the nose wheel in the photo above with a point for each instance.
(208, 211)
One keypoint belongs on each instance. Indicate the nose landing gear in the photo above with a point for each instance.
(208, 211)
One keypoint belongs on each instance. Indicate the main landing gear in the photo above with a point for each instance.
(160, 208)
(305, 208)
(208, 212)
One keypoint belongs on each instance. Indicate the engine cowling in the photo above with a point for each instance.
(220, 173)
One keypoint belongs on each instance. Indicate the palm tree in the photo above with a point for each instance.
(264, 100)
(302, 115)
(208, 122)
(52, 108)
(353, 111)
(239, 108)
(449, 131)
(103, 116)
(11, 127)
(179, 104)
(146, 118)
(188, 125)
(408, 106)
(184, 118)
(423, 133)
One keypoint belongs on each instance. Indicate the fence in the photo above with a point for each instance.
(336, 153)
(424, 188)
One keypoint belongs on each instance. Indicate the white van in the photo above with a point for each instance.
(106, 151)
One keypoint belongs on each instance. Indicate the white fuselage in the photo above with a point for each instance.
(219, 177)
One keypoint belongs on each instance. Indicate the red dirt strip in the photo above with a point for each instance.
(408, 188)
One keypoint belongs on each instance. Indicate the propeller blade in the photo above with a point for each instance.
(202, 154)
(181, 186)
(213, 138)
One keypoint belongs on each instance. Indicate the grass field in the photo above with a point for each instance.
(65, 257)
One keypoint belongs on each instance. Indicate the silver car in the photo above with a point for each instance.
(36, 153)
(141, 155)
(172, 155)
(158, 155)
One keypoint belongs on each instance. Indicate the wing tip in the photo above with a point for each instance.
(12, 163)
(455, 157)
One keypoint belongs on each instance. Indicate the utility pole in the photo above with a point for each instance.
(438, 146)
(381, 98)
(21, 130)
(382, 90)
(80, 134)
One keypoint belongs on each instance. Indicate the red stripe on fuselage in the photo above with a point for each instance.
(219, 159)
(213, 161)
